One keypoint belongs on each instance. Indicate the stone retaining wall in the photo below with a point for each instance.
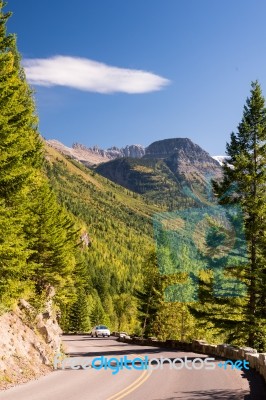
(256, 360)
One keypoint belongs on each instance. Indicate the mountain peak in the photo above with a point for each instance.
(166, 147)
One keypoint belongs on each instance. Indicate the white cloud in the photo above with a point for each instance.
(91, 76)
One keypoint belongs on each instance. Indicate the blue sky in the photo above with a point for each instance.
(117, 72)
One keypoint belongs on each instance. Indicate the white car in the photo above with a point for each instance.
(100, 330)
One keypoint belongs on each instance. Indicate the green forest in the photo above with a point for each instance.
(65, 226)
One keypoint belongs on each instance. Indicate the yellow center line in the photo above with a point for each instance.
(133, 386)
(148, 373)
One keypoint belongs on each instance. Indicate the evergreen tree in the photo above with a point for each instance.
(14, 254)
(20, 155)
(52, 239)
(79, 313)
(98, 315)
(76, 314)
(151, 295)
(20, 144)
(246, 171)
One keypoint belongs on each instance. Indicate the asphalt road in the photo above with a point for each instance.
(132, 384)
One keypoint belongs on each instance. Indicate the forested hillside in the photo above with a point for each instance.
(119, 282)
(119, 228)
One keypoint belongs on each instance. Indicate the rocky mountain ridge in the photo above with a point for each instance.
(134, 151)
(92, 156)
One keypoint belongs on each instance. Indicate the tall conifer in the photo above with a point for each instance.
(20, 154)
(246, 170)
(20, 144)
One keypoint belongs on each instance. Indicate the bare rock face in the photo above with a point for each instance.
(85, 239)
(183, 148)
(28, 343)
(88, 156)
(185, 158)
(95, 155)
(134, 151)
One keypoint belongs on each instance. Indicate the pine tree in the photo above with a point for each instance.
(98, 316)
(79, 313)
(20, 144)
(246, 171)
(20, 155)
(14, 254)
(151, 295)
(52, 239)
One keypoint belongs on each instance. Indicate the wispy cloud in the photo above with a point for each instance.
(91, 76)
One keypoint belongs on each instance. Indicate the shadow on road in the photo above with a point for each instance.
(256, 384)
(143, 352)
(257, 391)
(212, 395)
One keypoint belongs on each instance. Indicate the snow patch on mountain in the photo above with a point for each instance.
(221, 159)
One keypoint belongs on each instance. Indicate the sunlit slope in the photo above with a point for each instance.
(118, 222)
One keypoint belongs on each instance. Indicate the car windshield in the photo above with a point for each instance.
(102, 327)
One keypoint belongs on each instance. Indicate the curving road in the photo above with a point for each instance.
(133, 384)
